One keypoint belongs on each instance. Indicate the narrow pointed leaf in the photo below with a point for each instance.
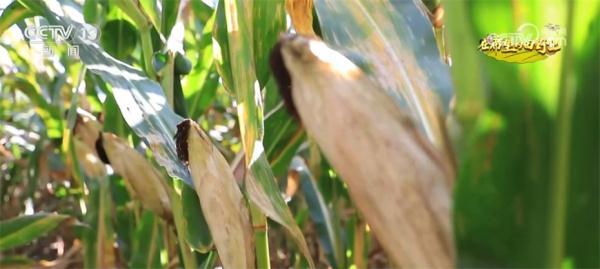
(24, 229)
(319, 213)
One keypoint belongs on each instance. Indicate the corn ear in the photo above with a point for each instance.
(89, 161)
(87, 129)
(221, 200)
(398, 180)
(145, 181)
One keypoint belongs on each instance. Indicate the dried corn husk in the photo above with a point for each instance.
(87, 129)
(89, 161)
(145, 181)
(397, 179)
(220, 197)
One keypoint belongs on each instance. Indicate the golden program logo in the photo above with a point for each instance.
(527, 45)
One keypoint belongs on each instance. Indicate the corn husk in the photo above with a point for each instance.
(90, 163)
(397, 179)
(87, 129)
(144, 180)
(221, 200)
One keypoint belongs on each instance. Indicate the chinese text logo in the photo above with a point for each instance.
(527, 45)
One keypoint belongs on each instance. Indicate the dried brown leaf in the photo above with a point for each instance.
(300, 12)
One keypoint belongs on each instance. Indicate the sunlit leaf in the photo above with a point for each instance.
(141, 100)
(151, 10)
(221, 47)
(12, 14)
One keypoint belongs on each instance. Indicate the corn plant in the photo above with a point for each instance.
(295, 134)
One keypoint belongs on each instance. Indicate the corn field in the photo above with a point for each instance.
(299, 134)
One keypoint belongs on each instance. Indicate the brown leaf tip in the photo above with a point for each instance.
(100, 149)
(282, 75)
(181, 137)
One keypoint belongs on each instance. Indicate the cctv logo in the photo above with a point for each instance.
(60, 34)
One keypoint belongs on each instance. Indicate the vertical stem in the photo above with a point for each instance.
(261, 240)
(560, 171)
(134, 11)
(147, 51)
(189, 261)
(359, 244)
(470, 100)
(168, 77)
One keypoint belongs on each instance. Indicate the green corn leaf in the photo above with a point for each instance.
(269, 21)
(141, 100)
(196, 230)
(262, 189)
(146, 243)
(221, 47)
(49, 113)
(151, 10)
(169, 15)
(24, 229)
(200, 86)
(98, 241)
(329, 236)
(12, 14)
(122, 39)
(283, 134)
